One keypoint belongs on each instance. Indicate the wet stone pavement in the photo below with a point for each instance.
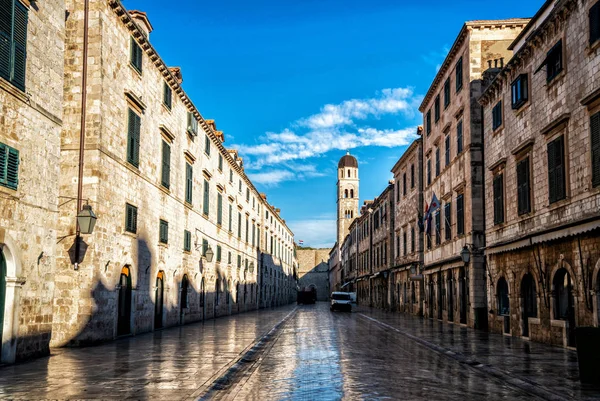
(313, 355)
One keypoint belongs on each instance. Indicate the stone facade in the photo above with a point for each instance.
(543, 243)
(406, 286)
(453, 171)
(30, 124)
(194, 199)
(313, 271)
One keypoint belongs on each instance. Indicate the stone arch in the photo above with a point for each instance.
(352, 192)
(564, 293)
(125, 303)
(346, 193)
(11, 254)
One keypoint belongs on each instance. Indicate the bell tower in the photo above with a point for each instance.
(347, 195)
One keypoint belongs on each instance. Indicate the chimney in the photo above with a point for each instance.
(212, 124)
(176, 71)
(141, 19)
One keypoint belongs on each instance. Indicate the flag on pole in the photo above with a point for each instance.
(300, 242)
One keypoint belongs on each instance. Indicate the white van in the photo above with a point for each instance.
(341, 301)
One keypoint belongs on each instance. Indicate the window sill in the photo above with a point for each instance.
(498, 130)
(167, 108)
(134, 69)
(133, 168)
(13, 90)
(130, 234)
(188, 205)
(163, 245)
(592, 47)
(187, 252)
(556, 80)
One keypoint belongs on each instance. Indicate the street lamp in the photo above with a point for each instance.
(209, 254)
(86, 220)
(465, 255)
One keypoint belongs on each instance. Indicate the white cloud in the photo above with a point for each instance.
(272, 178)
(436, 57)
(317, 233)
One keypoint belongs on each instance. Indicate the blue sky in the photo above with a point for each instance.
(293, 84)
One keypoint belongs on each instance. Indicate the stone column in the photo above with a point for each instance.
(10, 330)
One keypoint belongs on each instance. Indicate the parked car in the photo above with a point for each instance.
(341, 301)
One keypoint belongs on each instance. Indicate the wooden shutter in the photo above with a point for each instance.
(12, 168)
(130, 218)
(556, 176)
(459, 137)
(19, 45)
(460, 215)
(6, 15)
(448, 217)
(523, 188)
(595, 23)
(166, 165)
(133, 138)
(551, 176)
(206, 198)
(438, 230)
(3, 163)
(219, 209)
(498, 199)
(595, 139)
(189, 180)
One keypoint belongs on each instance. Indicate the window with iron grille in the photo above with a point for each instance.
(130, 218)
(135, 56)
(447, 221)
(497, 115)
(428, 121)
(554, 61)
(13, 42)
(523, 187)
(556, 170)
(447, 93)
(187, 240)
(164, 232)
(9, 167)
(498, 185)
(167, 96)
(436, 108)
(460, 215)
(595, 139)
(459, 74)
(519, 91)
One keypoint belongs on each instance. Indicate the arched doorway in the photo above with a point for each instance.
(529, 299)
(503, 303)
(564, 303)
(2, 292)
(450, 297)
(217, 290)
(159, 300)
(183, 298)
(462, 295)
(124, 308)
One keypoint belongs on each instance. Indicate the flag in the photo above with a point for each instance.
(434, 205)
(301, 242)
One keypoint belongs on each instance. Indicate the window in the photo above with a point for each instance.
(229, 257)
(219, 209)
(206, 200)
(438, 232)
(167, 96)
(428, 121)
(247, 229)
(163, 232)
(447, 221)
(135, 57)
(133, 138)
(239, 261)
(9, 166)
(192, 124)
(412, 239)
(404, 242)
(247, 194)
(437, 161)
(447, 149)
(165, 180)
(253, 234)
(554, 61)
(231, 176)
(428, 171)
(412, 176)
(497, 115)
(447, 93)
(13, 42)
(189, 181)
(398, 192)
(187, 241)
(595, 134)
(130, 218)
(459, 137)
(218, 253)
(436, 108)
(398, 246)
(240, 185)
(523, 189)
(594, 23)
(519, 91)
(459, 74)
(404, 183)
(239, 225)
(204, 247)
(556, 170)
(207, 145)
(498, 198)
(460, 215)
(230, 218)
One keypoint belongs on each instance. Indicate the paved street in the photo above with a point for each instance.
(314, 354)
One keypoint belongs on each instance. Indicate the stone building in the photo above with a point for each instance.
(182, 233)
(347, 195)
(31, 98)
(407, 256)
(363, 255)
(334, 265)
(542, 177)
(453, 172)
(382, 240)
(313, 271)
(349, 260)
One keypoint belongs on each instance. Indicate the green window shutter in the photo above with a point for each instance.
(220, 163)
(448, 221)
(206, 206)
(19, 45)
(247, 229)
(133, 138)
(218, 253)
(9, 166)
(239, 261)
(239, 225)
(166, 165)
(189, 180)
(130, 218)
(498, 199)
(556, 177)
(164, 232)
(595, 139)
(187, 241)
(6, 16)
(204, 247)
(3, 163)
(230, 218)
(219, 209)
(167, 95)
(207, 145)
(551, 175)
(136, 55)
(460, 215)
(523, 188)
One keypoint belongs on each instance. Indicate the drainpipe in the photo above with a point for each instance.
(82, 128)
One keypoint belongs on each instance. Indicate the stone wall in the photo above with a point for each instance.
(30, 122)
(313, 270)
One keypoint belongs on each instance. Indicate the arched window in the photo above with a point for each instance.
(184, 292)
(349, 175)
(563, 287)
(158, 300)
(352, 193)
(123, 324)
(342, 173)
(345, 193)
(502, 297)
